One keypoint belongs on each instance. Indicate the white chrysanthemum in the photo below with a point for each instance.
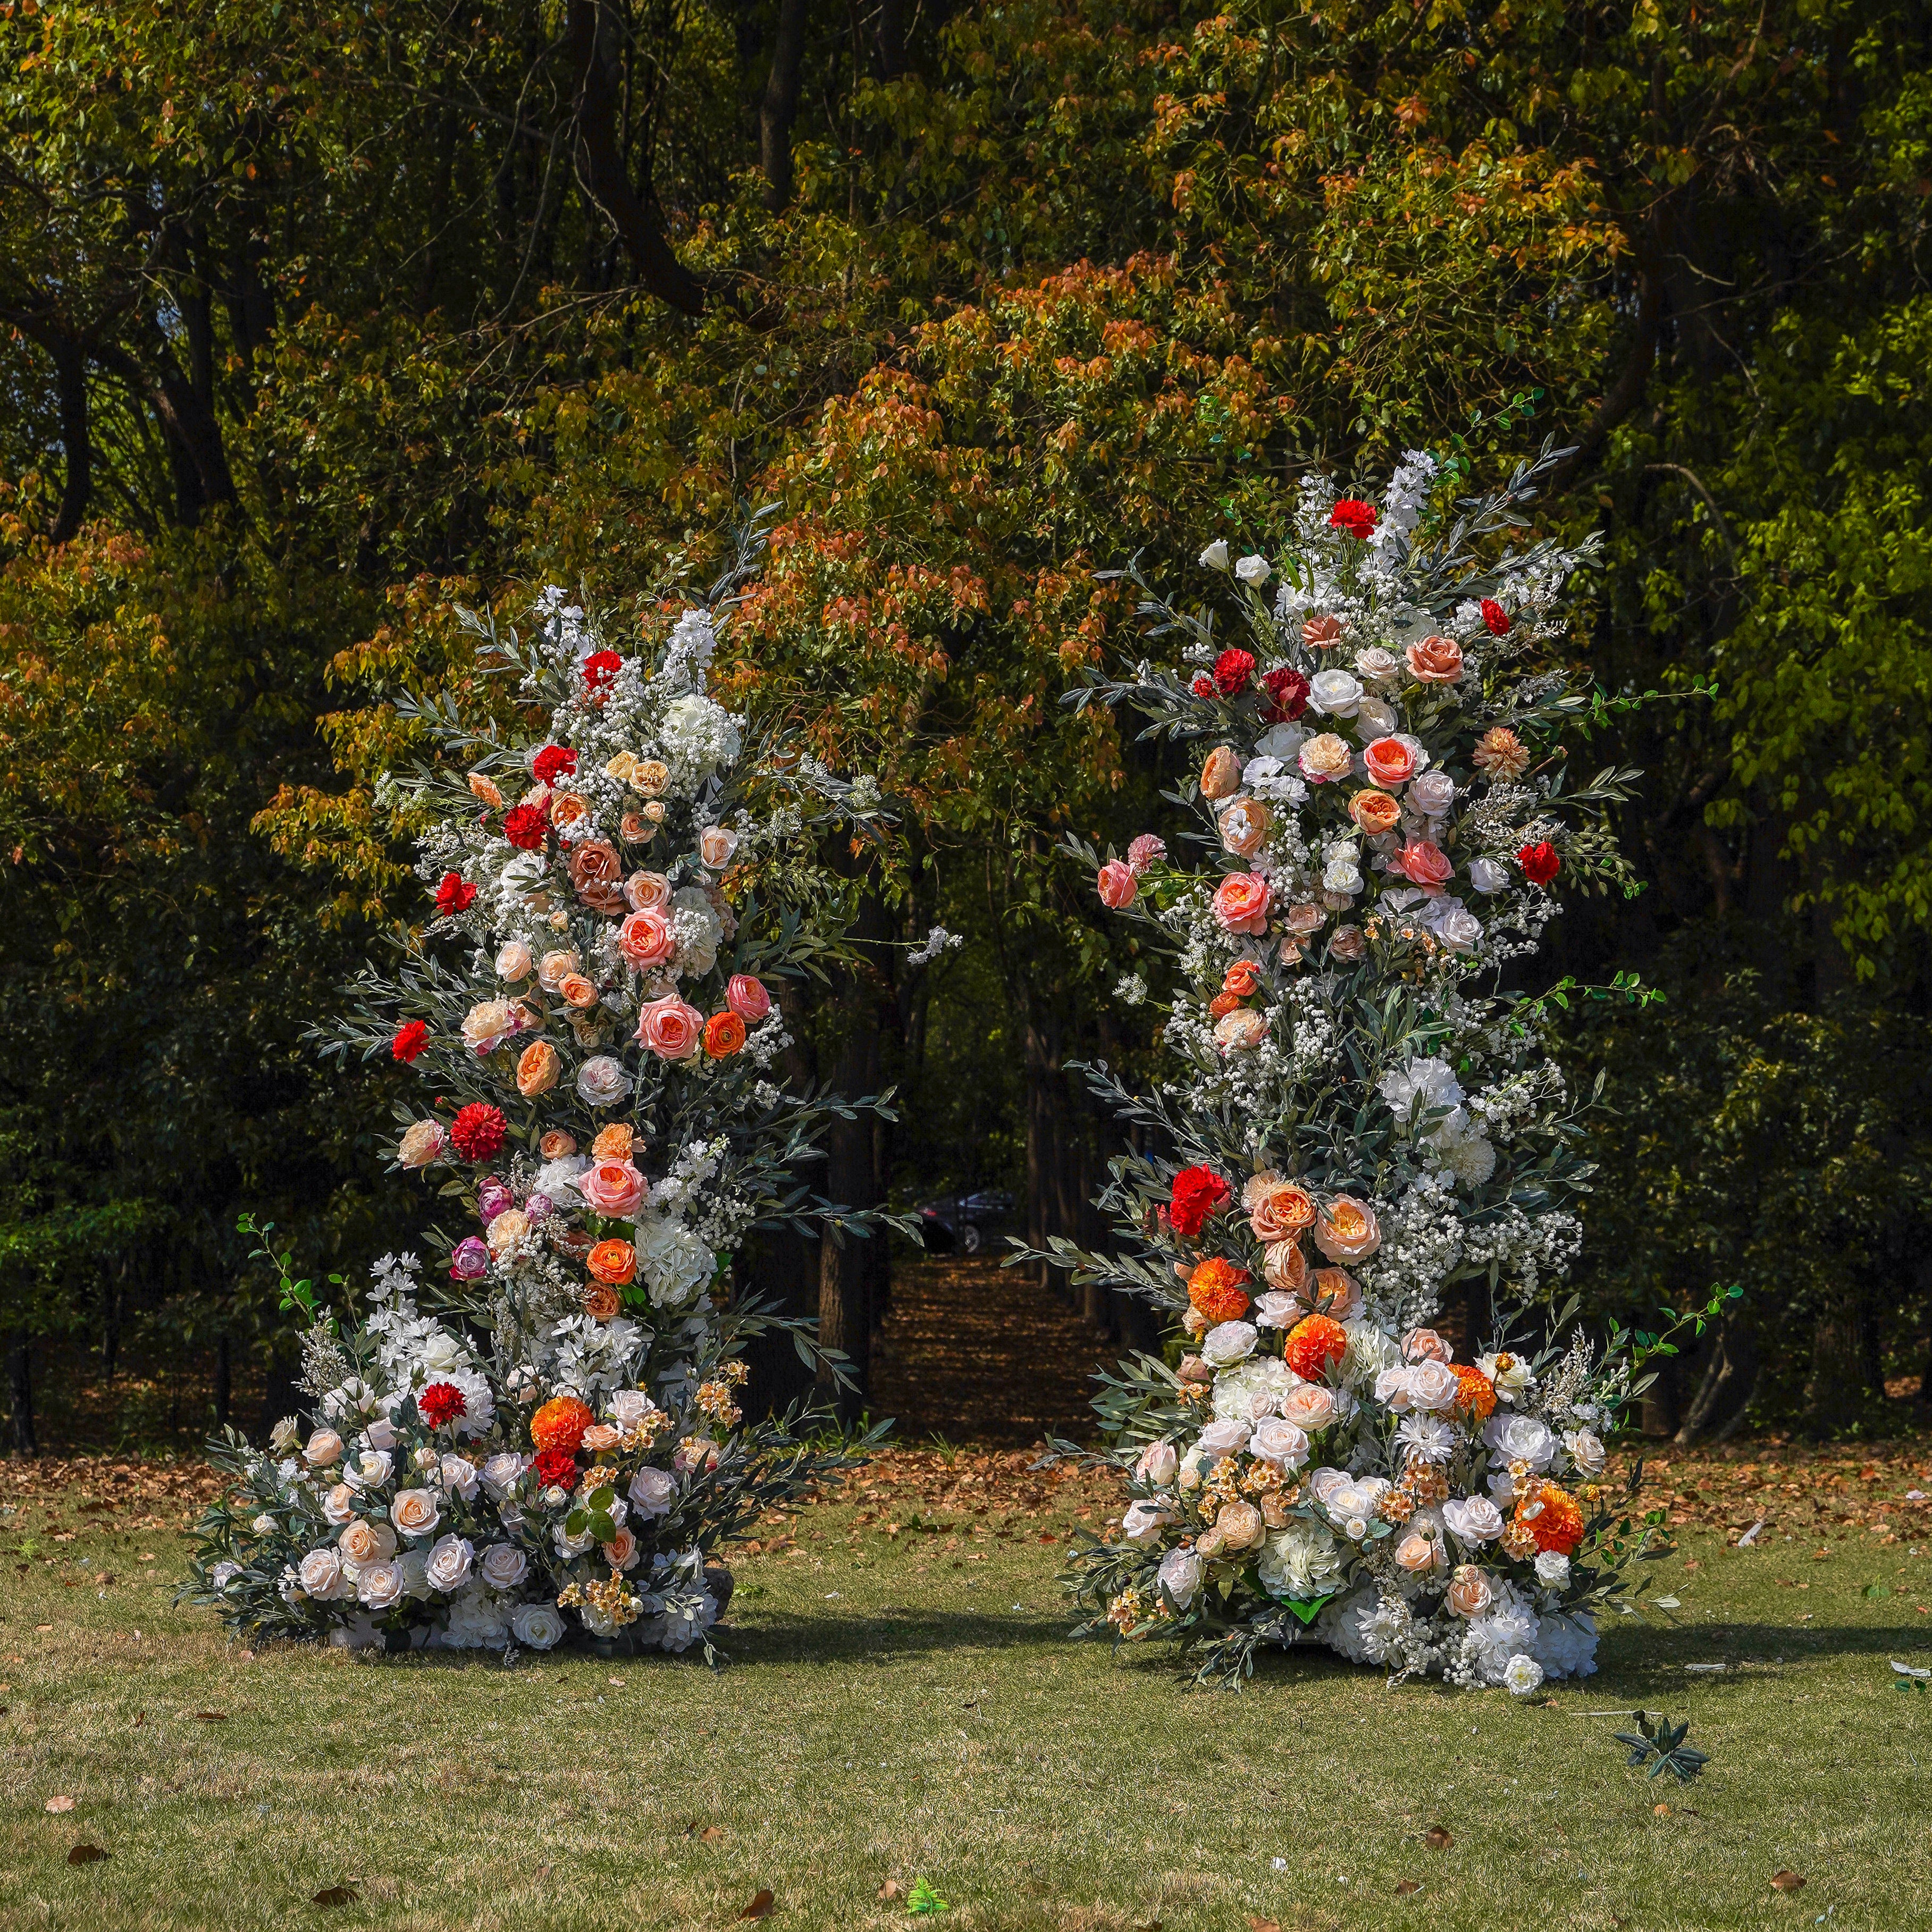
(1429, 1436)
(1368, 1352)
(695, 928)
(1469, 1156)
(1301, 1561)
(672, 1264)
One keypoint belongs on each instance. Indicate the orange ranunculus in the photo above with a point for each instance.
(1558, 1524)
(723, 1035)
(1223, 1003)
(613, 1143)
(1476, 1394)
(1215, 1288)
(560, 1424)
(1312, 1343)
(1243, 979)
(614, 1263)
(600, 1303)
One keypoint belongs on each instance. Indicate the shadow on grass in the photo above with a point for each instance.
(879, 1636)
(1658, 1657)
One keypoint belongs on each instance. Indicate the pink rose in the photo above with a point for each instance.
(716, 845)
(645, 938)
(1241, 903)
(612, 1188)
(1389, 762)
(1117, 885)
(747, 997)
(1146, 851)
(670, 1028)
(1435, 660)
(1424, 864)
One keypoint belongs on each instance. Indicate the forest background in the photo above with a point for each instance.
(315, 320)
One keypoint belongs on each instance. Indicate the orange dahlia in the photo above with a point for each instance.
(560, 1424)
(1312, 1344)
(1476, 1394)
(1215, 1288)
(1559, 1524)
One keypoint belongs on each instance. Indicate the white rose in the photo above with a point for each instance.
(372, 1469)
(1509, 1373)
(1228, 1342)
(1144, 1521)
(380, 1434)
(321, 1574)
(602, 1081)
(1215, 557)
(449, 1561)
(1473, 1519)
(538, 1625)
(1157, 1463)
(459, 1476)
(1586, 1451)
(1375, 717)
(1377, 665)
(416, 1512)
(1552, 1568)
(1486, 876)
(503, 1566)
(1432, 793)
(264, 1525)
(1341, 875)
(1180, 1575)
(1281, 743)
(339, 1505)
(1452, 922)
(1280, 1443)
(503, 1470)
(652, 1492)
(1521, 1675)
(1253, 570)
(285, 1437)
(379, 1586)
(1432, 1385)
(569, 1547)
(1502, 1486)
(1335, 693)
(1392, 1391)
(513, 960)
(1521, 1439)
(1227, 1438)
(631, 1408)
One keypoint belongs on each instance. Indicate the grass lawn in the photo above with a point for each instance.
(902, 1704)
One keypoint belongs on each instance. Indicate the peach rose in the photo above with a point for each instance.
(646, 891)
(485, 788)
(716, 845)
(747, 997)
(1424, 864)
(363, 1542)
(1435, 661)
(1116, 886)
(487, 1025)
(1345, 1230)
(671, 1028)
(613, 1189)
(1416, 1553)
(650, 776)
(1241, 1030)
(1221, 775)
(576, 991)
(1244, 826)
(416, 1512)
(1424, 1345)
(621, 767)
(1325, 757)
(325, 1447)
(422, 1142)
(513, 960)
(1304, 917)
(1389, 762)
(537, 1070)
(1241, 903)
(505, 1231)
(1321, 634)
(1469, 1594)
(1375, 811)
(1346, 943)
(1309, 1406)
(1338, 1294)
(557, 1144)
(634, 829)
(554, 967)
(597, 873)
(601, 1436)
(645, 938)
(566, 809)
(614, 1263)
(1241, 1525)
(1285, 1267)
(1278, 1211)
(613, 1143)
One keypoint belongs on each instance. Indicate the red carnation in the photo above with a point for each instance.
(411, 1038)
(454, 894)
(1232, 669)
(553, 762)
(601, 668)
(1356, 517)
(1203, 685)
(441, 1402)
(1197, 1192)
(1496, 617)
(1540, 862)
(1288, 695)
(524, 826)
(478, 1131)
(556, 1469)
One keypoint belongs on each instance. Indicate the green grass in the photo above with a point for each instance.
(906, 1707)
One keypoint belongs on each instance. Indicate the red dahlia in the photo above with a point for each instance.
(524, 826)
(441, 1402)
(478, 1131)
(412, 1036)
(601, 668)
(553, 762)
(1540, 862)
(556, 1469)
(1232, 669)
(1496, 617)
(1203, 685)
(1356, 517)
(1197, 1192)
(454, 894)
(1288, 695)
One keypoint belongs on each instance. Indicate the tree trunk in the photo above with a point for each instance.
(892, 39)
(780, 108)
(20, 1385)
(77, 447)
(1840, 1384)
(224, 1380)
(1729, 1377)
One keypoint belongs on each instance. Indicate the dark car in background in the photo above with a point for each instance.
(965, 1221)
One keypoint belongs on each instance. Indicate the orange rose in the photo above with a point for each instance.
(1223, 1003)
(634, 829)
(577, 991)
(1221, 775)
(566, 809)
(597, 872)
(557, 1144)
(613, 1143)
(723, 1035)
(1389, 762)
(1215, 1288)
(1435, 660)
(537, 1070)
(1338, 1292)
(1241, 903)
(1375, 812)
(1277, 1209)
(1243, 979)
(614, 1263)
(1346, 1230)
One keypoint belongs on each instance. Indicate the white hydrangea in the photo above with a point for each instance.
(1301, 1561)
(672, 1264)
(698, 737)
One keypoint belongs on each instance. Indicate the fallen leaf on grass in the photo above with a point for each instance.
(891, 1889)
(85, 1854)
(1264, 1925)
(335, 1894)
(1437, 1838)
(760, 1907)
(1787, 1881)
(212, 1717)
(63, 1803)
(711, 1834)
(1662, 1810)
(1404, 1887)
(1147, 1925)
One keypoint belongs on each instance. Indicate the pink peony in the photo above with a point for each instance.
(746, 996)
(1241, 903)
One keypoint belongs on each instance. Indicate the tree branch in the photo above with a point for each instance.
(780, 107)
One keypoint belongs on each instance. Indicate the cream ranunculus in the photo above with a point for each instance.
(1241, 1525)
